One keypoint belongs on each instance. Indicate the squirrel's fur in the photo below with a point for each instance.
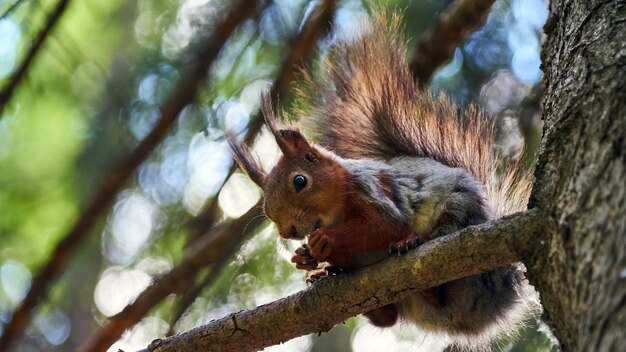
(393, 165)
(366, 88)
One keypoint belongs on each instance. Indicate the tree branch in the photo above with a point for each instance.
(20, 73)
(10, 9)
(332, 300)
(438, 43)
(182, 95)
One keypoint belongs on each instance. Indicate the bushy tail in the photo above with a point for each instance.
(365, 104)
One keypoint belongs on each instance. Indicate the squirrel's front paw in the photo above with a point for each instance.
(303, 259)
(320, 245)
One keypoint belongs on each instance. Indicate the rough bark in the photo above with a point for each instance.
(332, 300)
(581, 175)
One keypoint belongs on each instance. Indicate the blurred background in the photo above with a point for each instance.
(93, 94)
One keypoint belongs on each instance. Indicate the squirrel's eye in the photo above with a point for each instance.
(299, 182)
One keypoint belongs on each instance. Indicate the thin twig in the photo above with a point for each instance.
(438, 43)
(11, 8)
(219, 243)
(332, 300)
(183, 94)
(20, 73)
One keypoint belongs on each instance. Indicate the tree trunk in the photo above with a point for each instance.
(581, 175)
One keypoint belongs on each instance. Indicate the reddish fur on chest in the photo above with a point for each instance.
(364, 230)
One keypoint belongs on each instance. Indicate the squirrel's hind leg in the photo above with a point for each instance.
(435, 295)
(384, 316)
(329, 270)
(404, 245)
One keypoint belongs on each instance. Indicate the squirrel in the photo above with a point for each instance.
(393, 167)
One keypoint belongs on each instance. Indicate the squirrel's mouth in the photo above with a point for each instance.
(318, 224)
(294, 235)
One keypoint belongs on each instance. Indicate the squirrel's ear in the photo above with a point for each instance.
(291, 142)
(294, 145)
(248, 163)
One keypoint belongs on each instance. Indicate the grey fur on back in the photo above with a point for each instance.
(423, 191)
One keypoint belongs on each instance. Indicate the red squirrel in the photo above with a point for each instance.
(393, 167)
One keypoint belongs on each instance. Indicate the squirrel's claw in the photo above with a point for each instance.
(403, 246)
(307, 266)
(315, 276)
(329, 270)
(303, 259)
(332, 270)
(303, 250)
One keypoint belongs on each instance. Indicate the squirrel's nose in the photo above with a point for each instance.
(293, 232)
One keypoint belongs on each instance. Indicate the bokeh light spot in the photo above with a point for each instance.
(131, 224)
(238, 195)
(117, 288)
(452, 68)
(15, 279)
(140, 335)
(54, 325)
(10, 34)
(531, 12)
(209, 162)
(525, 64)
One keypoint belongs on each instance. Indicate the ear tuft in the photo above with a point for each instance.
(248, 163)
(268, 109)
(291, 142)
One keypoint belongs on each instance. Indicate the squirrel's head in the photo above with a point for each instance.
(305, 190)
